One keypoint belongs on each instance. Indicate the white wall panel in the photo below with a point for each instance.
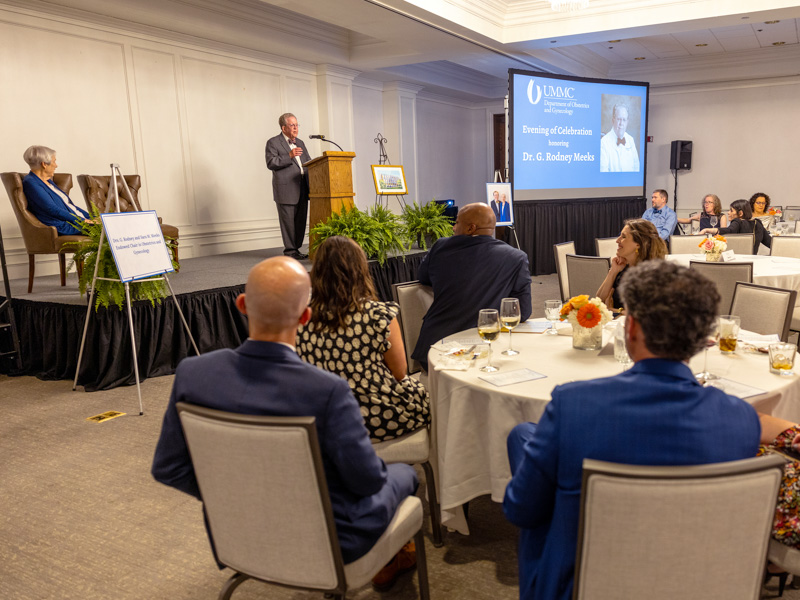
(227, 110)
(368, 122)
(745, 140)
(163, 171)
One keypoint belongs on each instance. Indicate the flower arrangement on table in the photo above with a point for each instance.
(713, 245)
(587, 316)
(775, 212)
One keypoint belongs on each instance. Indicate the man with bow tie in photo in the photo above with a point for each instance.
(617, 149)
(661, 215)
(286, 153)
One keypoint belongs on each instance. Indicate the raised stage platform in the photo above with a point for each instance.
(50, 320)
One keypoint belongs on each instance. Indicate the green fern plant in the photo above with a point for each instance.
(378, 234)
(107, 293)
(423, 222)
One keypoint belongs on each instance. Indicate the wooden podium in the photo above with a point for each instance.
(330, 182)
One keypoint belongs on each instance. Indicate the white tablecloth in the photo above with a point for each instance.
(472, 418)
(776, 271)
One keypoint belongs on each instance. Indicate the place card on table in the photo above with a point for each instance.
(740, 390)
(510, 377)
(533, 327)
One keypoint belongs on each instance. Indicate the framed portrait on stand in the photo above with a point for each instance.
(498, 197)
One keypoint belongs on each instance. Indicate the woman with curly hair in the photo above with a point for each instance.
(354, 335)
(639, 241)
(759, 204)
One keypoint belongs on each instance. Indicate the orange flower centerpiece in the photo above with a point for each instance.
(587, 317)
(713, 247)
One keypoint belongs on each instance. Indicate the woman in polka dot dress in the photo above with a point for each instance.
(353, 334)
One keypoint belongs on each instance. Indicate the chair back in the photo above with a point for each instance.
(605, 247)
(792, 213)
(796, 227)
(763, 309)
(785, 245)
(725, 276)
(586, 273)
(561, 251)
(265, 496)
(740, 243)
(685, 244)
(37, 237)
(95, 190)
(414, 299)
(667, 532)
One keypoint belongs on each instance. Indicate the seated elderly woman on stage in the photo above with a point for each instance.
(639, 241)
(740, 217)
(354, 335)
(46, 201)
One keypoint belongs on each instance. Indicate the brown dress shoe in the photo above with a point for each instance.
(403, 561)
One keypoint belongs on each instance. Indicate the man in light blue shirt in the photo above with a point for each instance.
(661, 215)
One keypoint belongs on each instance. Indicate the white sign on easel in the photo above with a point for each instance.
(137, 244)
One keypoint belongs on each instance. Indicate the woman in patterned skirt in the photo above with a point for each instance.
(353, 334)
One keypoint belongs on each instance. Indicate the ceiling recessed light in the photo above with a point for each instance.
(778, 43)
(614, 41)
(701, 45)
(639, 58)
(770, 22)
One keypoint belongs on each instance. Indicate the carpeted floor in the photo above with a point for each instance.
(81, 517)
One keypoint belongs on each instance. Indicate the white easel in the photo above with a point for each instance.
(160, 275)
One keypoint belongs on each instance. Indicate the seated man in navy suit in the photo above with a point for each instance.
(46, 201)
(655, 413)
(265, 376)
(469, 271)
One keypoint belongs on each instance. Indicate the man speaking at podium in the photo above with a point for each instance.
(285, 156)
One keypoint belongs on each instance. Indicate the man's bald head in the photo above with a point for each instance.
(275, 297)
(475, 219)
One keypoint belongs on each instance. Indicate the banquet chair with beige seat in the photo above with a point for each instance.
(763, 309)
(561, 251)
(95, 190)
(740, 243)
(38, 237)
(270, 518)
(788, 246)
(685, 244)
(605, 247)
(725, 276)
(666, 532)
(786, 558)
(413, 448)
(586, 273)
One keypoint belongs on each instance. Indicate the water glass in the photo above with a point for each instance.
(552, 312)
(781, 358)
(620, 350)
(728, 333)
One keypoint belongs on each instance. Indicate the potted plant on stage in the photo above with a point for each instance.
(426, 224)
(587, 318)
(379, 232)
(107, 292)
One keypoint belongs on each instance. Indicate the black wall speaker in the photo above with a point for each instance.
(680, 158)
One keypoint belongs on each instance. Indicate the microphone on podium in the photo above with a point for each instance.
(319, 136)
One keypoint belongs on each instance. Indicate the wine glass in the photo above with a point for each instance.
(509, 317)
(705, 375)
(620, 350)
(489, 330)
(713, 219)
(552, 312)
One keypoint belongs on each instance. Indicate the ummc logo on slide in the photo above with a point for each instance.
(530, 93)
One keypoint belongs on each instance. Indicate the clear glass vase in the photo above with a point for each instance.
(584, 338)
(714, 257)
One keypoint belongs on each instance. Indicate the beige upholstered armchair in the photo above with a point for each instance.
(38, 237)
(95, 192)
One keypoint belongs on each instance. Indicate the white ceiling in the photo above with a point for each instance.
(465, 47)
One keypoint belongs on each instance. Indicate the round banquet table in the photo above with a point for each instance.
(776, 271)
(472, 418)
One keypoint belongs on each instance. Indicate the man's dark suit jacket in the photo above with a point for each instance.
(49, 208)
(288, 185)
(655, 413)
(502, 211)
(265, 378)
(468, 273)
